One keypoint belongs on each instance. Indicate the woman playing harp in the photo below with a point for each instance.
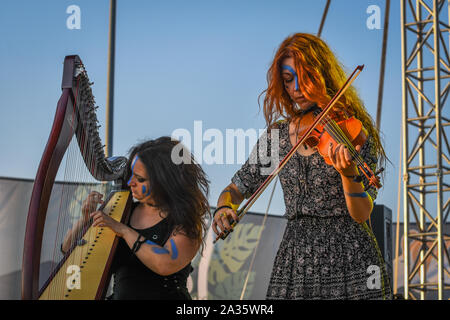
(74, 141)
(85, 269)
(166, 226)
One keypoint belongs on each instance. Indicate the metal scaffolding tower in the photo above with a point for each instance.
(426, 160)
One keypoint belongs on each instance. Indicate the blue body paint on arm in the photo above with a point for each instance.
(174, 250)
(162, 250)
(357, 195)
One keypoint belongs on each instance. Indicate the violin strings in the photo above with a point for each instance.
(336, 132)
(344, 139)
(340, 137)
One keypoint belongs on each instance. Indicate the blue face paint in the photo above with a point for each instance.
(292, 71)
(162, 250)
(144, 191)
(132, 170)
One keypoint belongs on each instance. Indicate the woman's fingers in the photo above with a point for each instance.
(342, 160)
(92, 201)
(102, 220)
(342, 157)
(331, 154)
(233, 215)
(347, 156)
(222, 220)
(338, 160)
(95, 197)
(97, 218)
(225, 216)
(217, 223)
(214, 226)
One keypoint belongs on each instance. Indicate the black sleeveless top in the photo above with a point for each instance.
(133, 280)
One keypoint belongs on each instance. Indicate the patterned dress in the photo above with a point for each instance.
(324, 253)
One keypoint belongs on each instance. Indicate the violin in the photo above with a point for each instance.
(349, 132)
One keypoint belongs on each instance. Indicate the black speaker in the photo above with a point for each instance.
(381, 221)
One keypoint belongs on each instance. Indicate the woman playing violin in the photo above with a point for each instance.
(327, 251)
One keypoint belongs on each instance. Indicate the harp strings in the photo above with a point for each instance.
(77, 184)
(63, 218)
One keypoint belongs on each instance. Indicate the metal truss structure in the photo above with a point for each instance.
(426, 160)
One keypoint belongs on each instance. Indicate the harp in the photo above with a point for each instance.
(88, 262)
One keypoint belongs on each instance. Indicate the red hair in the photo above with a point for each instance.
(320, 76)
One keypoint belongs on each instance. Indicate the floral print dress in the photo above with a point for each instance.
(324, 253)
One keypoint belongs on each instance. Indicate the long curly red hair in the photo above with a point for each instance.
(320, 76)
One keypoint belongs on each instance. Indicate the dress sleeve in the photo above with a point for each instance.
(258, 166)
(369, 154)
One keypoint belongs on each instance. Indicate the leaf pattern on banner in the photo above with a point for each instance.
(216, 272)
(240, 244)
(231, 287)
(194, 276)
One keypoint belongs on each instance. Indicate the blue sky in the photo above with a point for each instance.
(178, 62)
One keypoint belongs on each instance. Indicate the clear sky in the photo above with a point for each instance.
(178, 62)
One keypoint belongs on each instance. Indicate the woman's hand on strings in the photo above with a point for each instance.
(102, 220)
(222, 219)
(342, 160)
(90, 204)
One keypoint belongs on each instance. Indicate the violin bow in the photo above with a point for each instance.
(248, 204)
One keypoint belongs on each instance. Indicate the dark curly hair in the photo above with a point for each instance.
(179, 190)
